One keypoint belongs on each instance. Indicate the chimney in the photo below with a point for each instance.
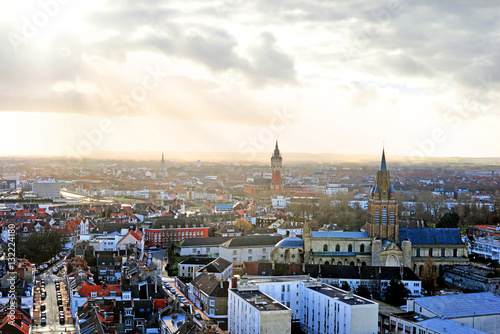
(221, 284)
(234, 282)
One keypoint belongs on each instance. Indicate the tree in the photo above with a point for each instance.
(39, 247)
(449, 220)
(345, 286)
(242, 224)
(395, 293)
(363, 292)
(428, 276)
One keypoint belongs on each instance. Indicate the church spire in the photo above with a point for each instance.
(383, 166)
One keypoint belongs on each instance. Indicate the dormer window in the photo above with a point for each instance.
(93, 294)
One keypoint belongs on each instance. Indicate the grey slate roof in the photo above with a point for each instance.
(217, 266)
(325, 234)
(443, 325)
(431, 236)
(197, 260)
(464, 305)
(209, 241)
(249, 241)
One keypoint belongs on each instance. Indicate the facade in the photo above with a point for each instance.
(190, 266)
(251, 248)
(486, 248)
(251, 311)
(201, 246)
(173, 233)
(47, 189)
(332, 310)
(210, 295)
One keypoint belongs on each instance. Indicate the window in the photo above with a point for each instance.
(250, 251)
(93, 294)
(249, 258)
(349, 248)
(128, 322)
(443, 252)
(384, 216)
(455, 252)
(418, 252)
(325, 248)
(430, 252)
(337, 248)
(212, 302)
(235, 259)
(128, 312)
(377, 217)
(235, 252)
(362, 248)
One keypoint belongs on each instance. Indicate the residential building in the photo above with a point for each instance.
(201, 246)
(190, 266)
(219, 268)
(251, 311)
(47, 189)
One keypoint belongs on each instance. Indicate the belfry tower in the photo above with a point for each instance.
(276, 165)
(383, 219)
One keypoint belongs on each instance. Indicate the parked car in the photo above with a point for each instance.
(43, 322)
(61, 320)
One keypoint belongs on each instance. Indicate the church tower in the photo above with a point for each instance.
(163, 170)
(383, 207)
(276, 165)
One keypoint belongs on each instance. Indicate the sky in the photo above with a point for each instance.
(418, 77)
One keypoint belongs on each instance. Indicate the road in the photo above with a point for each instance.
(52, 309)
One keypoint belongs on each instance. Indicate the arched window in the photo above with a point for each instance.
(327, 263)
(443, 252)
(337, 248)
(418, 252)
(362, 248)
(430, 252)
(352, 263)
(325, 248)
(455, 252)
(349, 248)
(363, 263)
(339, 263)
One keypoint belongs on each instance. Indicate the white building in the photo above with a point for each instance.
(47, 189)
(318, 307)
(253, 312)
(201, 246)
(190, 266)
(487, 248)
(327, 309)
(280, 202)
(248, 249)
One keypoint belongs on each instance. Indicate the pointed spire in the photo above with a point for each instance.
(383, 166)
(276, 144)
(162, 159)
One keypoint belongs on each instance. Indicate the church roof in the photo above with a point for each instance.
(431, 236)
(383, 166)
(291, 242)
(327, 234)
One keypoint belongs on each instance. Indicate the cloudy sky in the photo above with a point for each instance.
(234, 76)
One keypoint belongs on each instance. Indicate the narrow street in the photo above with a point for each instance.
(52, 309)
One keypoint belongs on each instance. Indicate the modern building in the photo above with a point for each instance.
(47, 189)
(327, 309)
(251, 311)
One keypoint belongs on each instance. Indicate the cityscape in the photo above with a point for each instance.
(258, 167)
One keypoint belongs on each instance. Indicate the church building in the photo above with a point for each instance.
(384, 243)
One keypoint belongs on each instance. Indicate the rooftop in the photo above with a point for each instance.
(341, 295)
(463, 305)
(443, 325)
(431, 236)
(325, 234)
(260, 301)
